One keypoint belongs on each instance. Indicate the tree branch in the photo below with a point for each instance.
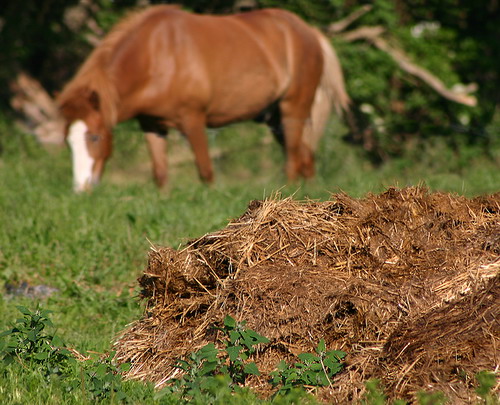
(365, 33)
(40, 111)
(373, 35)
(339, 26)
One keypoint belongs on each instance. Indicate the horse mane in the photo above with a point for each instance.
(93, 77)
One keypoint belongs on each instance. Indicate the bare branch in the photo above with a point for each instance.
(458, 94)
(339, 26)
(27, 88)
(96, 32)
(40, 111)
(366, 33)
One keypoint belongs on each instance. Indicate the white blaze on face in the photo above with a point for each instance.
(82, 161)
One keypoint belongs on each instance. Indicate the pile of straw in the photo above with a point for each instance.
(406, 282)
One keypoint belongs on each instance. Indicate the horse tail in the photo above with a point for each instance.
(330, 93)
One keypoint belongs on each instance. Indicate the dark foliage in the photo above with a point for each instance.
(395, 112)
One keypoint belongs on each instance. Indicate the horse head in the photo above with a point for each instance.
(87, 135)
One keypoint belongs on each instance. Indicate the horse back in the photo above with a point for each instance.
(301, 47)
(229, 67)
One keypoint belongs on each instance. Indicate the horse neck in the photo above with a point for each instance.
(92, 86)
(108, 101)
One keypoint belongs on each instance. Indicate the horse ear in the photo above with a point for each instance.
(94, 100)
(68, 109)
(78, 103)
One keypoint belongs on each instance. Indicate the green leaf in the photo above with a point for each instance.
(229, 322)
(338, 354)
(224, 370)
(8, 359)
(321, 379)
(333, 366)
(234, 336)
(251, 368)
(307, 357)
(282, 365)
(65, 352)
(57, 341)
(32, 336)
(41, 356)
(247, 342)
(321, 346)
(233, 352)
(309, 377)
(120, 396)
(182, 364)
(6, 333)
(23, 310)
(315, 367)
(257, 337)
(111, 356)
(487, 381)
(46, 313)
(208, 367)
(101, 370)
(208, 350)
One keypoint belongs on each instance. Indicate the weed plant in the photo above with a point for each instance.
(316, 369)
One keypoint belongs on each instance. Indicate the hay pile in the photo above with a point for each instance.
(406, 282)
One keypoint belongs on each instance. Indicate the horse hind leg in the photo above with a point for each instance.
(307, 162)
(299, 156)
(306, 166)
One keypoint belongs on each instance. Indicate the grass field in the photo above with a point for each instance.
(92, 247)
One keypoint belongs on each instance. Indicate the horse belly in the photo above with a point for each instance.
(239, 107)
(241, 94)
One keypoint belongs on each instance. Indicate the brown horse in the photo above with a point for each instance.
(173, 69)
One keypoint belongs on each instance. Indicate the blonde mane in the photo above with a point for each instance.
(93, 74)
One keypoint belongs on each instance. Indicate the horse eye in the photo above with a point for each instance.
(93, 137)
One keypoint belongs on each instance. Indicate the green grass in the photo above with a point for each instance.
(92, 247)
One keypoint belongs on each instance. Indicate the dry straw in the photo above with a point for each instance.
(406, 282)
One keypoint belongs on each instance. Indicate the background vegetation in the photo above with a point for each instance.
(87, 250)
(395, 112)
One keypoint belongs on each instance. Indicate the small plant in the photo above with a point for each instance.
(29, 343)
(487, 381)
(198, 374)
(210, 369)
(431, 398)
(374, 395)
(313, 370)
(102, 379)
(240, 344)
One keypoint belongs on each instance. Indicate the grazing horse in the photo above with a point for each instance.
(172, 69)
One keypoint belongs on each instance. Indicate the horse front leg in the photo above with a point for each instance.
(193, 127)
(157, 146)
